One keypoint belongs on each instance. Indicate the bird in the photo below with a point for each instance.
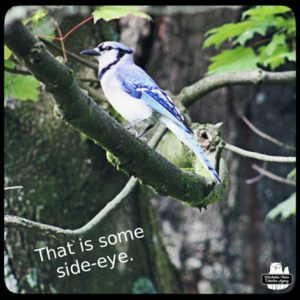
(136, 96)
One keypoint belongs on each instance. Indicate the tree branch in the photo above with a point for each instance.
(12, 187)
(264, 135)
(60, 233)
(190, 94)
(259, 156)
(71, 54)
(129, 154)
(273, 176)
(15, 71)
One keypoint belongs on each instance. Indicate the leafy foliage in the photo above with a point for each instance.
(292, 174)
(7, 52)
(19, 86)
(274, 31)
(36, 16)
(284, 209)
(247, 60)
(108, 13)
(143, 285)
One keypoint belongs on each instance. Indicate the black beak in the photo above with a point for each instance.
(91, 52)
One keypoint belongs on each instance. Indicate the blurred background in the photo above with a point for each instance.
(66, 178)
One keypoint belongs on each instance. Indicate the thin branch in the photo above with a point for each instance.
(61, 38)
(190, 94)
(77, 26)
(254, 179)
(273, 176)
(60, 233)
(26, 73)
(259, 156)
(15, 71)
(13, 187)
(258, 177)
(264, 135)
(70, 54)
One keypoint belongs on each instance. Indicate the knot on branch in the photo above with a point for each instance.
(35, 53)
(260, 76)
(208, 136)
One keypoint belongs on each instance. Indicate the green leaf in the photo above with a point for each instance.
(260, 28)
(265, 11)
(276, 52)
(21, 87)
(277, 41)
(9, 64)
(36, 16)
(237, 59)
(286, 24)
(292, 174)
(283, 209)
(7, 52)
(225, 32)
(276, 60)
(108, 13)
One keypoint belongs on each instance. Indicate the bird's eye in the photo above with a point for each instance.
(108, 48)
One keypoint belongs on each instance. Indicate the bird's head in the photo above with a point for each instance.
(108, 52)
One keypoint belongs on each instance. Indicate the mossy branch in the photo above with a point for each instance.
(82, 113)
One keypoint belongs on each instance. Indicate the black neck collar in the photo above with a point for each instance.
(121, 53)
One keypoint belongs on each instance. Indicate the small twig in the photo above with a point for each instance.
(61, 38)
(77, 26)
(71, 54)
(15, 71)
(273, 176)
(57, 232)
(259, 156)
(264, 135)
(13, 187)
(258, 177)
(254, 179)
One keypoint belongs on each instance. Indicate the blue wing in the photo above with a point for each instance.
(139, 85)
(144, 88)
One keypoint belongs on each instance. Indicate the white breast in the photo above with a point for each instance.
(131, 109)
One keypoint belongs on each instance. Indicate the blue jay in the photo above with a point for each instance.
(136, 96)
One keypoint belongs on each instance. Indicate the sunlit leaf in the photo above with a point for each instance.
(108, 13)
(7, 52)
(260, 28)
(36, 16)
(283, 209)
(237, 59)
(276, 60)
(285, 24)
(292, 174)
(264, 11)
(225, 32)
(276, 52)
(21, 87)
